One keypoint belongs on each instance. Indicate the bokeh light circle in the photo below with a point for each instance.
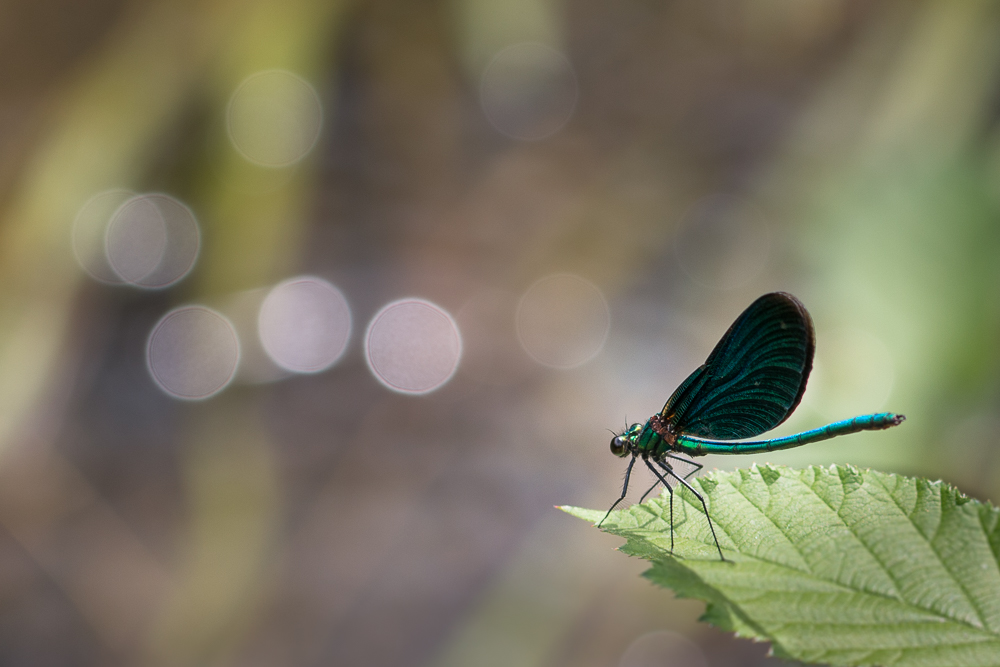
(663, 648)
(563, 321)
(90, 230)
(723, 242)
(304, 324)
(528, 91)
(413, 346)
(274, 118)
(152, 241)
(136, 239)
(193, 352)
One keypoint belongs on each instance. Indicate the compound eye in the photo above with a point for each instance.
(618, 446)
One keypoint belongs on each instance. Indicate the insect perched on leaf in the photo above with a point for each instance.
(751, 382)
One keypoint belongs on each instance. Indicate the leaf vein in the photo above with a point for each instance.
(930, 543)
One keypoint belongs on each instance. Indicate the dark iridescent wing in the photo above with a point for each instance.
(754, 377)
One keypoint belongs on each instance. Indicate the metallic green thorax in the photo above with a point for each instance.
(652, 439)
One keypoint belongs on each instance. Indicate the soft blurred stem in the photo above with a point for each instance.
(255, 214)
(105, 132)
(233, 500)
(483, 28)
(253, 220)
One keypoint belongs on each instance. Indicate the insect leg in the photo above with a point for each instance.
(667, 486)
(697, 466)
(655, 484)
(671, 520)
(628, 471)
(703, 506)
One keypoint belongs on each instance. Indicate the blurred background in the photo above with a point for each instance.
(311, 311)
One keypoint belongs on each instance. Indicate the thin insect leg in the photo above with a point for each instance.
(697, 466)
(655, 484)
(703, 506)
(628, 471)
(671, 520)
(660, 477)
(667, 468)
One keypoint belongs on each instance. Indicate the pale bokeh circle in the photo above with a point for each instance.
(413, 346)
(663, 648)
(528, 91)
(152, 241)
(563, 321)
(136, 239)
(723, 242)
(90, 229)
(304, 324)
(274, 118)
(193, 352)
(853, 374)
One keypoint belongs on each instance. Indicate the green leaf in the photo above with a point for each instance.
(831, 565)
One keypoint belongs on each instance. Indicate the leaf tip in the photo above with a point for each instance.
(581, 513)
